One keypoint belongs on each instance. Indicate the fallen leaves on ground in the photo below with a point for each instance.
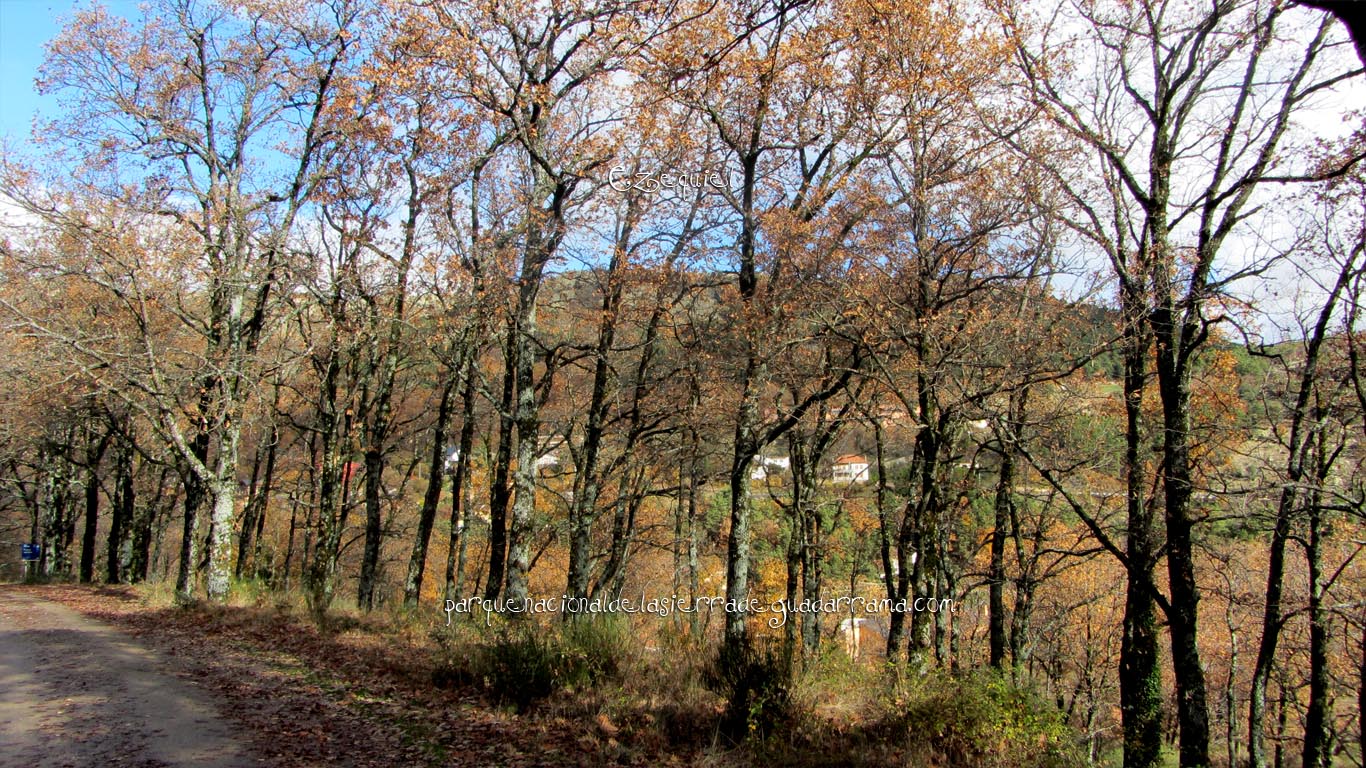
(306, 697)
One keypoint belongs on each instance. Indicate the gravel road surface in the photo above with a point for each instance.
(75, 692)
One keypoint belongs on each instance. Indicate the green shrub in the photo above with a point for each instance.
(522, 663)
(756, 682)
(983, 719)
(519, 666)
(593, 648)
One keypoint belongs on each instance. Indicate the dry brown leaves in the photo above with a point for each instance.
(304, 697)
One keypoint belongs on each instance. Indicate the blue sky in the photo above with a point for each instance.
(25, 25)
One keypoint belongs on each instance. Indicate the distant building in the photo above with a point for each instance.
(769, 465)
(850, 468)
(896, 566)
(350, 470)
(549, 460)
(864, 637)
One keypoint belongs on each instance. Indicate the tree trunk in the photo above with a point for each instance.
(813, 566)
(54, 557)
(374, 520)
(500, 494)
(284, 581)
(186, 578)
(583, 508)
(1282, 721)
(891, 578)
(528, 451)
(144, 521)
(694, 490)
(391, 336)
(920, 532)
(224, 495)
(333, 480)
(94, 453)
(1191, 702)
(1303, 427)
(795, 546)
(1361, 696)
(623, 531)
(1140, 676)
(1317, 753)
(997, 568)
(123, 512)
(426, 518)
(455, 552)
(741, 509)
(258, 501)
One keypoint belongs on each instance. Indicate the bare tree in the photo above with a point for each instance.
(1187, 112)
(195, 101)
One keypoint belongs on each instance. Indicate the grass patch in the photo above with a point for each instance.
(521, 662)
(979, 718)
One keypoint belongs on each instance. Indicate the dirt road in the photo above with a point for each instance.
(75, 692)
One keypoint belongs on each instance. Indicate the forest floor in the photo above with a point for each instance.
(100, 676)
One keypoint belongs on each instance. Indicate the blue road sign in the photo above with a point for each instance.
(30, 551)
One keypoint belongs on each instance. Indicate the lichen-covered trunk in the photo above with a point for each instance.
(1192, 707)
(741, 505)
(374, 525)
(54, 557)
(195, 495)
(792, 584)
(528, 445)
(331, 478)
(813, 565)
(919, 542)
(583, 508)
(891, 578)
(223, 491)
(629, 496)
(1271, 628)
(539, 249)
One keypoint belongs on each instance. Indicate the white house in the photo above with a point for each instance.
(548, 458)
(864, 636)
(896, 566)
(850, 468)
(769, 465)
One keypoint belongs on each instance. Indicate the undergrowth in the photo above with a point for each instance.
(650, 686)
